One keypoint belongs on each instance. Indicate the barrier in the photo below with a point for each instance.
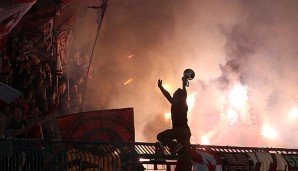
(56, 155)
(244, 158)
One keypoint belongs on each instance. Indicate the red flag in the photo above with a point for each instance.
(61, 51)
(102, 125)
(10, 16)
(47, 31)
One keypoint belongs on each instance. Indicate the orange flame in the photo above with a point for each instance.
(128, 81)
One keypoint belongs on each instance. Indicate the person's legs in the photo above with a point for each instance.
(167, 138)
(186, 157)
(183, 137)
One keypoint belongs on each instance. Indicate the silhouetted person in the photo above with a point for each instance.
(178, 138)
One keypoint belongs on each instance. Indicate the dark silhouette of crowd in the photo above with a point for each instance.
(47, 93)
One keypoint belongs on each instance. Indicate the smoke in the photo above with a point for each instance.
(227, 43)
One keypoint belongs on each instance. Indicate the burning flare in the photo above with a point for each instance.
(269, 132)
(128, 81)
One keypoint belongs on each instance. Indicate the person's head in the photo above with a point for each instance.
(34, 112)
(36, 60)
(17, 114)
(51, 95)
(180, 94)
(46, 67)
(78, 99)
(62, 86)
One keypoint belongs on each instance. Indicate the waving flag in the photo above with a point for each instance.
(11, 15)
(204, 161)
(61, 51)
(101, 125)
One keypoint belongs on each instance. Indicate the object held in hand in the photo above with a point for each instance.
(188, 74)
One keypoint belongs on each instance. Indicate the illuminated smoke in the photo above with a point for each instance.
(251, 44)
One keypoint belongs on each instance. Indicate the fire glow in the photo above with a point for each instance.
(293, 114)
(128, 81)
(238, 96)
(131, 56)
(269, 132)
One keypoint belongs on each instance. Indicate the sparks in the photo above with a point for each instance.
(128, 81)
(130, 56)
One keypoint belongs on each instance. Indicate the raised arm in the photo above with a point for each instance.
(164, 91)
(184, 83)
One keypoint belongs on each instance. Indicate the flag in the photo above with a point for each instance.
(204, 161)
(101, 125)
(57, 23)
(11, 15)
(58, 31)
(8, 94)
(47, 31)
(61, 51)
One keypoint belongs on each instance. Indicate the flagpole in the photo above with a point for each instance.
(52, 49)
(53, 35)
(103, 8)
(82, 10)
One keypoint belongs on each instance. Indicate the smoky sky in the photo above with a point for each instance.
(227, 43)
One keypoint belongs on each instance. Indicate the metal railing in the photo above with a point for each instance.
(61, 155)
(56, 155)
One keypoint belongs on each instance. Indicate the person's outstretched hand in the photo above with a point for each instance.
(159, 83)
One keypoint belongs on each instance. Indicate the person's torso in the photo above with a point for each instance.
(179, 115)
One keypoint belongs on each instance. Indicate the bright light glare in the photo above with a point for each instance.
(167, 115)
(205, 140)
(269, 132)
(238, 96)
(191, 99)
(232, 116)
(293, 114)
(166, 86)
(141, 159)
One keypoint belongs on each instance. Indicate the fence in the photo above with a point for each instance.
(55, 155)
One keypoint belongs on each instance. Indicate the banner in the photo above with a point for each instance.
(47, 31)
(10, 16)
(61, 51)
(220, 159)
(102, 125)
(292, 161)
(205, 161)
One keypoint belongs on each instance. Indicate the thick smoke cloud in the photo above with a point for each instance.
(227, 43)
